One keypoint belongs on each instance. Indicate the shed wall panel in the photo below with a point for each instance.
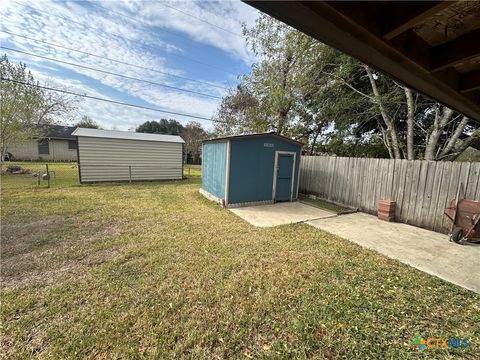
(214, 163)
(252, 163)
(103, 159)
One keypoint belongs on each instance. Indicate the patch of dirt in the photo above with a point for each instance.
(54, 248)
(23, 237)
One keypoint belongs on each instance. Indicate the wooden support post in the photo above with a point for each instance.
(130, 173)
(48, 176)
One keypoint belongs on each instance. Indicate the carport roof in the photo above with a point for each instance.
(127, 135)
(431, 46)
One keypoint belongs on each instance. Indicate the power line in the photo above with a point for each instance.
(200, 19)
(114, 60)
(144, 24)
(127, 39)
(110, 73)
(111, 101)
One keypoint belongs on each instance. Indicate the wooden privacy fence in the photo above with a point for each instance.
(422, 189)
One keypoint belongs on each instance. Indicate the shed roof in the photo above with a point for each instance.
(431, 46)
(127, 135)
(267, 134)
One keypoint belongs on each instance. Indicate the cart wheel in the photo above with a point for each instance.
(457, 235)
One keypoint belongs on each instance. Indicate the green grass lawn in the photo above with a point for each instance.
(155, 270)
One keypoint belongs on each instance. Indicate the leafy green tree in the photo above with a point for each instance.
(25, 107)
(306, 90)
(275, 79)
(164, 126)
(240, 112)
(193, 134)
(87, 122)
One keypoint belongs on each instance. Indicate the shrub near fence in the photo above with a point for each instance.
(422, 189)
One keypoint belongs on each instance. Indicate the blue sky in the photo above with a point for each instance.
(200, 40)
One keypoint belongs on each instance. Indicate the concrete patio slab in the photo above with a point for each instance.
(425, 250)
(280, 213)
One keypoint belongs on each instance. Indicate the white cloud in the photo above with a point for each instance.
(201, 20)
(91, 29)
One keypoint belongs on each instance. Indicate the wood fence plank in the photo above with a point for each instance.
(364, 187)
(472, 183)
(374, 188)
(399, 184)
(432, 212)
(443, 200)
(407, 190)
(343, 180)
(347, 184)
(356, 182)
(316, 175)
(425, 217)
(477, 194)
(422, 179)
(422, 189)
(451, 192)
(413, 192)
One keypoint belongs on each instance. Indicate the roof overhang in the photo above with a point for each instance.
(126, 135)
(256, 135)
(415, 42)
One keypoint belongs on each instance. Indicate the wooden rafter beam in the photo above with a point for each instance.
(404, 15)
(470, 81)
(357, 31)
(456, 51)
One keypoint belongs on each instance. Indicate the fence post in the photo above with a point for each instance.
(130, 173)
(189, 171)
(48, 176)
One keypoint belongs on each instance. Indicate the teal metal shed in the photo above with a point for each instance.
(250, 169)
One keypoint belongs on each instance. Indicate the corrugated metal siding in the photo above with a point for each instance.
(104, 159)
(251, 168)
(214, 162)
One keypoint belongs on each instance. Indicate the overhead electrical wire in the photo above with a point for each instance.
(114, 60)
(127, 39)
(199, 18)
(144, 24)
(109, 72)
(111, 101)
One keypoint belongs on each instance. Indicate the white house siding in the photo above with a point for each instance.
(107, 159)
(59, 151)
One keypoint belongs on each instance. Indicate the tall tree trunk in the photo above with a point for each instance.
(386, 141)
(282, 120)
(438, 125)
(391, 131)
(314, 142)
(459, 149)
(455, 137)
(410, 118)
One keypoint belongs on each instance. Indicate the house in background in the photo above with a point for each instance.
(56, 144)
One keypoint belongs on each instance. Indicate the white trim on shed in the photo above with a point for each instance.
(126, 135)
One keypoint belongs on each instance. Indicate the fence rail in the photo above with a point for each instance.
(35, 175)
(422, 189)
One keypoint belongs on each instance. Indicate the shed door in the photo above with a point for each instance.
(284, 177)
